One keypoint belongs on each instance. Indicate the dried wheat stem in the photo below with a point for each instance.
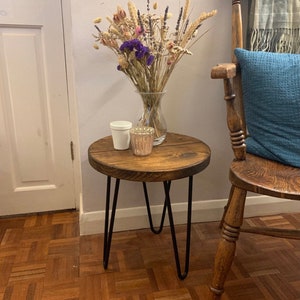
(194, 26)
(133, 13)
(186, 9)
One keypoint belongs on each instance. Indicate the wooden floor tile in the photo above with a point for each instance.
(42, 256)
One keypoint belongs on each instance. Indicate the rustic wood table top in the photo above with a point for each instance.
(179, 156)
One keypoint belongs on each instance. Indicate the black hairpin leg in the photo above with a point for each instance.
(109, 224)
(156, 231)
(108, 231)
(181, 275)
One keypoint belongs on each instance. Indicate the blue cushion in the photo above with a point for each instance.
(271, 93)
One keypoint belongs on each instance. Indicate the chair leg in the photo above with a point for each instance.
(225, 208)
(227, 245)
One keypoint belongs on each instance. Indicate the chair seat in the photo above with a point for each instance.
(267, 177)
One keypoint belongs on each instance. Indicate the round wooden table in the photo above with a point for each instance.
(179, 156)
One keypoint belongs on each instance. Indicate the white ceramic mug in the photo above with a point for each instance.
(120, 134)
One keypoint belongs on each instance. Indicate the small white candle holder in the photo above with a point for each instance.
(141, 139)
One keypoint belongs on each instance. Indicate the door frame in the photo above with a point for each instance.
(73, 112)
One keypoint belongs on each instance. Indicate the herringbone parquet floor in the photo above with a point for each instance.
(43, 257)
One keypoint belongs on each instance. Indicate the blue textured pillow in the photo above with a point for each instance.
(271, 92)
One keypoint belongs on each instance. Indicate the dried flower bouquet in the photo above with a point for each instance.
(147, 49)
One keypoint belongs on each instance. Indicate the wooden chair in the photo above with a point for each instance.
(247, 171)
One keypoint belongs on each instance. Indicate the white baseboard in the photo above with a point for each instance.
(203, 211)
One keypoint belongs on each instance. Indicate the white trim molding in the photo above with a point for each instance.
(203, 211)
(73, 113)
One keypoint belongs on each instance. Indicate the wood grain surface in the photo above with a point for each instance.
(178, 157)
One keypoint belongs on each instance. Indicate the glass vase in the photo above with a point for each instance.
(152, 115)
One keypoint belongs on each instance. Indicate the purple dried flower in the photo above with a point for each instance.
(127, 45)
(139, 54)
(130, 45)
(150, 59)
(179, 20)
(141, 51)
(140, 21)
(165, 17)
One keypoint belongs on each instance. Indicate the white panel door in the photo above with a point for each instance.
(35, 161)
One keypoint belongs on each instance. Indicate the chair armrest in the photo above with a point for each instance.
(235, 123)
(224, 71)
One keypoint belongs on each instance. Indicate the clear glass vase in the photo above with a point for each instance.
(152, 115)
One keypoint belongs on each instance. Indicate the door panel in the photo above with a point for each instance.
(36, 171)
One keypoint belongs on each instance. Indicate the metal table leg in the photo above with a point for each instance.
(108, 233)
(167, 205)
(109, 224)
(181, 275)
(156, 231)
